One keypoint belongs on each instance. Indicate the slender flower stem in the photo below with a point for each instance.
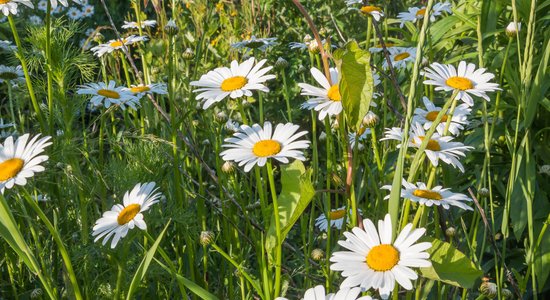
(49, 64)
(279, 247)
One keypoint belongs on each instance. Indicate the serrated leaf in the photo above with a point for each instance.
(449, 265)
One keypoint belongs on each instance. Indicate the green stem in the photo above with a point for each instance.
(49, 65)
(279, 247)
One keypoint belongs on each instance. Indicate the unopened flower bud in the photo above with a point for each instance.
(171, 28)
(302, 69)
(188, 54)
(506, 294)
(513, 28)
(335, 124)
(370, 119)
(98, 37)
(483, 192)
(307, 39)
(207, 237)
(322, 136)
(221, 117)
(281, 63)
(450, 232)
(317, 254)
(488, 289)
(313, 46)
(228, 167)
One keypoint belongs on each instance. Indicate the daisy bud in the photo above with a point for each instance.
(188, 54)
(335, 124)
(221, 117)
(98, 38)
(450, 232)
(488, 289)
(545, 169)
(507, 294)
(228, 167)
(317, 254)
(206, 142)
(322, 136)
(307, 39)
(370, 120)
(483, 192)
(171, 28)
(206, 238)
(313, 47)
(195, 123)
(513, 28)
(281, 63)
(302, 69)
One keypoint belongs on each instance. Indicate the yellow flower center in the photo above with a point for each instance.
(140, 89)
(266, 148)
(336, 214)
(116, 44)
(128, 213)
(334, 93)
(11, 167)
(109, 94)
(401, 56)
(432, 144)
(233, 83)
(7, 75)
(427, 194)
(460, 83)
(420, 13)
(431, 116)
(4, 1)
(368, 9)
(382, 257)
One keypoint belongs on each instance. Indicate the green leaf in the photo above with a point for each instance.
(449, 265)
(295, 196)
(144, 265)
(356, 82)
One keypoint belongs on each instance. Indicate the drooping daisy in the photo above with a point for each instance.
(360, 137)
(426, 117)
(374, 261)
(466, 80)
(142, 24)
(154, 88)
(10, 6)
(122, 217)
(400, 56)
(374, 11)
(336, 218)
(19, 160)
(255, 43)
(113, 45)
(415, 13)
(439, 147)
(237, 81)
(318, 293)
(434, 196)
(109, 94)
(254, 146)
(11, 74)
(326, 99)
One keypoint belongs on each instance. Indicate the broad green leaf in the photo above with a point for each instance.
(356, 82)
(449, 265)
(295, 196)
(144, 265)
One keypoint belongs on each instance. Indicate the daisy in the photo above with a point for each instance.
(74, 14)
(426, 117)
(255, 43)
(142, 24)
(439, 147)
(113, 45)
(400, 56)
(8, 74)
(414, 14)
(19, 160)
(7, 46)
(326, 99)
(88, 11)
(237, 81)
(359, 136)
(253, 145)
(374, 11)
(309, 43)
(435, 196)
(336, 218)
(108, 94)
(318, 293)
(376, 262)
(154, 88)
(466, 80)
(123, 217)
(10, 6)
(63, 2)
(35, 20)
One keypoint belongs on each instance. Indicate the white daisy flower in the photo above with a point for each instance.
(308, 43)
(237, 81)
(109, 94)
(318, 293)
(42, 5)
(35, 20)
(232, 125)
(400, 56)
(122, 217)
(88, 11)
(466, 80)
(10, 6)
(439, 147)
(352, 2)
(326, 99)
(374, 11)
(142, 24)
(7, 46)
(376, 262)
(255, 43)
(63, 2)
(434, 196)
(426, 117)
(513, 28)
(415, 13)
(19, 160)
(360, 136)
(154, 88)
(336, 218)
(74, 14)
(253, 145)
(113, 45)
(11, 74)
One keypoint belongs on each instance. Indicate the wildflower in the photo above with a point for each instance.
(255, 43)
(484, 192)
(188, 54)
(318, 293)
(7, 46)
(414, 13)
(370, 120)
(19, 160)
(9, 74)
(206, 238)
(400, 56)
(335, 217)
(228, 167)
(373, 11)
(148, 89)
(375, 261)
(237, 81)
(142, 24)
(35, 20)
(254, 145)
(281, 63)
(10, 6)
(434, 196)
(308, 43)
(428, 116)
(63, 2)
(113, 45)
(513, 28)
(171, 28)
(439, 147)
(232, 125)
(359, 136)
(488, 289)
(466, 80)
(109, 94)
(123, 217)
(88, 11)
(74, 14)
(317, 254)
(327, 100)
(450, 232)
